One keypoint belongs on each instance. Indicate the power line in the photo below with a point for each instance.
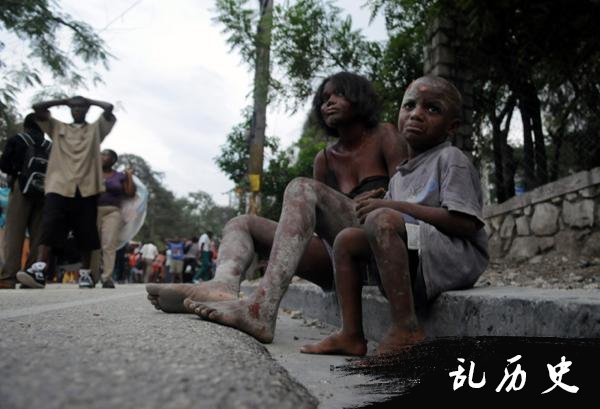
(121, 15)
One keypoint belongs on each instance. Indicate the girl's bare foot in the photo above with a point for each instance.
(255, 319)
(398, 339)
(169, 297)
(338, 344)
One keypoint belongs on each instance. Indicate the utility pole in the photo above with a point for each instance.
(259, 116)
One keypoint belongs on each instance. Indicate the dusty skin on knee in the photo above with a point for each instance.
(384, 220)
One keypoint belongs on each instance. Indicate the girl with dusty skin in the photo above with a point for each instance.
(356, 166)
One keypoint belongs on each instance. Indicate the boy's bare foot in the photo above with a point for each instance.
(338, 344)
(398, 339)
(169, 297)
(244, 315)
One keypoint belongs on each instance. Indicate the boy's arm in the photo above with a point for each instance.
(451, 223)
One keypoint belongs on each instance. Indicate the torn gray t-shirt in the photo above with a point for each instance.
(444, 177)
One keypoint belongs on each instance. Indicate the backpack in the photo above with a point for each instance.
(33, 170)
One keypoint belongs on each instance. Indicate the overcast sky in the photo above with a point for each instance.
(177, 89)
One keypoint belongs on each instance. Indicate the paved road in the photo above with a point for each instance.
(63, 347)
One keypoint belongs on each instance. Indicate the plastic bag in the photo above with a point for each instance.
(133, 212)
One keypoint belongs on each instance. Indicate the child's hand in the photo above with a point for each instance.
(366, 206)
(375, 193)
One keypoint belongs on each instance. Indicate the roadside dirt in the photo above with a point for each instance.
(543, 272)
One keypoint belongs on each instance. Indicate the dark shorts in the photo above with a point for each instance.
(77, 214)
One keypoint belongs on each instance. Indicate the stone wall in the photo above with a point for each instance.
(562, 217)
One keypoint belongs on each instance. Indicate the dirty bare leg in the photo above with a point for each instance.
(242, 237)
(386, 233)
(308, 205)
(351, 252)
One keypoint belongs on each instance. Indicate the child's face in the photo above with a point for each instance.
(335, 109)
(426, 116)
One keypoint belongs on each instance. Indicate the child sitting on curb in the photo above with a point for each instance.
(426, 236)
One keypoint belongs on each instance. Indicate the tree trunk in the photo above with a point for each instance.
(555, 166)
(508, 170)
(541, 162)
(261, 88)
(501, 194)
(528, 158)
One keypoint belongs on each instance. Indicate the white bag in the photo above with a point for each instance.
(133, 212)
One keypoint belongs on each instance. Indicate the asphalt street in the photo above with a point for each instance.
(64, 347)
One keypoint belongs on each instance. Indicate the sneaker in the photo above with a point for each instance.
(85, 279)
(108, 284)
(34, 276)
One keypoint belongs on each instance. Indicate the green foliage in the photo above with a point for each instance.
(39, 24)
(310, 40)
(239, 24)
(9, 125)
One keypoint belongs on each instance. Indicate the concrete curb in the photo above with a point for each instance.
(485, 311)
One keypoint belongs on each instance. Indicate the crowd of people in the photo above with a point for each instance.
(398, 201)
(181, 261)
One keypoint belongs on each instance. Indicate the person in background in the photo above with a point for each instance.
(119, 185)
(149, 252)
(24, 211)
(177, 248)
(168, 266)
(72, 185)
(190, 258)
(158, 267)
(120, 272)
(205, 256)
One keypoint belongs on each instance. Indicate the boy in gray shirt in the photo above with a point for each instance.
(426, 236)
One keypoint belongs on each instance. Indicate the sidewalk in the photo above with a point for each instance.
(483, 311)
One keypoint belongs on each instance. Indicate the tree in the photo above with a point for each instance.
(9, 125)
(309, 41)
(262, 77)
(39, 24)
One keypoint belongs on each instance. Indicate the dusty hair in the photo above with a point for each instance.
(452, 94)
(358, 90)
